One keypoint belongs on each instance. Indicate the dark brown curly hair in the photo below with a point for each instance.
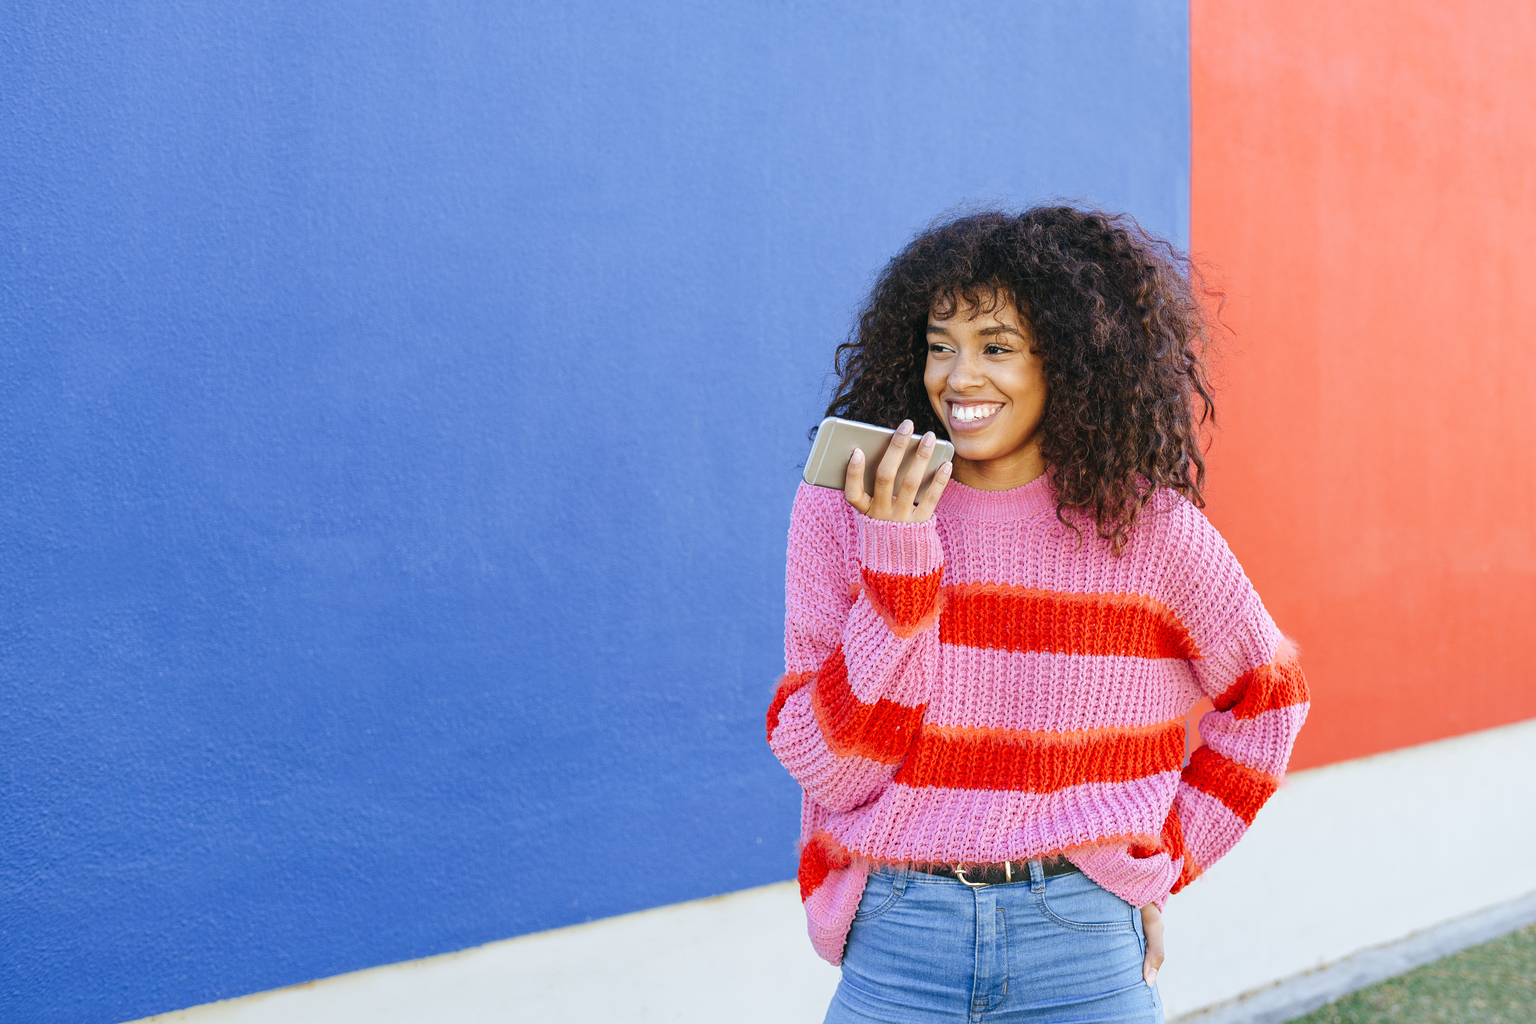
(1114, 313)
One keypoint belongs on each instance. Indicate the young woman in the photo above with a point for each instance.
(986, 684)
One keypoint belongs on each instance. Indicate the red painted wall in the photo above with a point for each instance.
(1364, 183)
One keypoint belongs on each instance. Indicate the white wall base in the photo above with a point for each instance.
(1343, 859)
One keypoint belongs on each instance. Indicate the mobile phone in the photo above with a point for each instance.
(836, 439)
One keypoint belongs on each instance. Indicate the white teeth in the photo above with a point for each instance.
(967, 413)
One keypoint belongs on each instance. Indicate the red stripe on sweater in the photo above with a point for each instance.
(881, 731)
(1039, 762)
(788, 684)
(1170, 842)
(819, 858)
(1188, 873)
(1265, 688)
(1241, 788)
(906, 603)
(1024, 619)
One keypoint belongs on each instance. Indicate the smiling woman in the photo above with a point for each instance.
(985, 377)
(986, 683)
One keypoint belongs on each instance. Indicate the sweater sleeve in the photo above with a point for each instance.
(1260, 699)
(859, 656)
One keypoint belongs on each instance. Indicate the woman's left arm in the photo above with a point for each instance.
(1249, 671)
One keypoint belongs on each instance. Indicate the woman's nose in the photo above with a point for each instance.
(966, 372)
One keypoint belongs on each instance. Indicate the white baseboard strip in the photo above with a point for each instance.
(1299, 995)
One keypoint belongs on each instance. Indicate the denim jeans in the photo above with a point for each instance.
(928, 948)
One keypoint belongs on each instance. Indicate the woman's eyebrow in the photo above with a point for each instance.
(985, 332)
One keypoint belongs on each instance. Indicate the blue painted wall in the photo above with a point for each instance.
(401, 410)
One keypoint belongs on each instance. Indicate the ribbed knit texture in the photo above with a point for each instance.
(991, 686)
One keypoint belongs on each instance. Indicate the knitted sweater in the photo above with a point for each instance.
(989, 686)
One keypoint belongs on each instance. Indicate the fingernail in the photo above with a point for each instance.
(928, 439)
(946, 467)
(905, 428)
(1151, 977)
(858, 456)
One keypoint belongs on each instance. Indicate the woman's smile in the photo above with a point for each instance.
(968, 416)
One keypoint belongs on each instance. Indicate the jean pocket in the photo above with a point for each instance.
(881, 891)
(1075, 901)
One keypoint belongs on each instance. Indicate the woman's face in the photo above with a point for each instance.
(987, 384)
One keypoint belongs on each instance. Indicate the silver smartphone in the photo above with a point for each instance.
(837, 438)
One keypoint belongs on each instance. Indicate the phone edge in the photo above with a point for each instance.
(809, 475)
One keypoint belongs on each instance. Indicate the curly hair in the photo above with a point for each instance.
(1115, 317)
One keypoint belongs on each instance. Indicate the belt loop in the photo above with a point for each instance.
(1036, 875)
(902, 878)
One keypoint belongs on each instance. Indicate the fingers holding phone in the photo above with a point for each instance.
(890, 502)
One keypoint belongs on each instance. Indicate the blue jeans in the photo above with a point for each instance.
(928, 948)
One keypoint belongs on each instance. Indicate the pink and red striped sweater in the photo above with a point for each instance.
(986, 686)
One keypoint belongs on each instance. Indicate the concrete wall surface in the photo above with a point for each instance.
(401, 410)
(1344, 858)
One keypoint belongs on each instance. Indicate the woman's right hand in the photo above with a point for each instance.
(904, 506)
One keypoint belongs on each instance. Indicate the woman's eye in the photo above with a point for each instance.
(996, 350)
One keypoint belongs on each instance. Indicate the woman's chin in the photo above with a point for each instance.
(970, 451)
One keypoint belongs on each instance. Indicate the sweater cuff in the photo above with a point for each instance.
(902, 565)
(901, 549)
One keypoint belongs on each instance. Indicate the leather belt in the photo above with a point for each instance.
(978, 875)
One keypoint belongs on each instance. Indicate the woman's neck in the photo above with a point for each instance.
(1013, 470)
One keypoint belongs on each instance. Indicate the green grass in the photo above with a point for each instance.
(1490, 984)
